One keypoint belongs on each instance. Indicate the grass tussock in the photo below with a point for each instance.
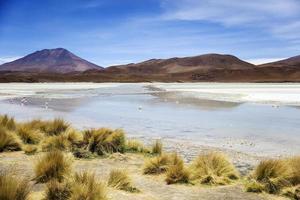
(29, 135)
(176, 172)
(8, 141)
(52, 165)
(53, 127)
(7, 122)
(158, 164)
(120, 180)
(157, 147)
(13, 188)
(56, 142)
(58, 191)
(271, 176)
(104, 141)
(136, 146)
(85, 186)
(294, 164)
(213, 169)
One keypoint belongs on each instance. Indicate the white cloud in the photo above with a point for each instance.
(8, 59)
(230, 12)
(258, 61)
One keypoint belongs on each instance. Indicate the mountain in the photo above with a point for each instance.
(290, 62)
(50, 61)
(203, 63)
(59, 65)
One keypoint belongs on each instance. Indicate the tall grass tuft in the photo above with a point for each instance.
(7, 122)
(53, 127)
(52, 165)
(294, 163)
(56, 142)
(58, 191)
(157, 147)
(157, 165)
(8, 141)
(135, 146)
(213, 169)
(103, 141)
(176, 172)
(86, 187)
(29, 135)
(13, 188)
(120, 179)
(272, 175)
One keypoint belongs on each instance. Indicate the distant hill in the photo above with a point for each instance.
(59, 65)
(50, 61)
(290, 62)
(183, 65)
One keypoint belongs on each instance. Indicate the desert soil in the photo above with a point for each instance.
(152, 187)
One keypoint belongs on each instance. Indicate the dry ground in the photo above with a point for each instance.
(152, 187)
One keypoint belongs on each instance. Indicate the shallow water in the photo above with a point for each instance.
(179, 111)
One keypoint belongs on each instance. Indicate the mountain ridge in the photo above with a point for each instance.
(61, 66)
(58, 60)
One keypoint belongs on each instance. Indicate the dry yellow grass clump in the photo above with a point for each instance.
(8, 141)
(294, 163)
(57, 191)
(103, 141)
(85, 186)
(270, 176)
(213, 169)
(136, 146)
(176, 172)
(29, 135)
(7, 122)
(13, 188)
(54, 127)
(52, 165)
(157, 147)
(157, 165)
(280, 176)
(120, 179)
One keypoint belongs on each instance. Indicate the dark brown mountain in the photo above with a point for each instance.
(203, 63)
(290, 62)
(50, 61)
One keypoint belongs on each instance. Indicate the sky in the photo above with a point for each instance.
(111, 32)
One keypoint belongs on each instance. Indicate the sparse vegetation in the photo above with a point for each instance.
(136, 146)
(7, 122)
(271, 175)
(58, 191)
(29, 135)
(52, 165)
(157, 147)
(213, 169)
(176, 172)
(157, 165)
(85, 186)
(8, 141)
(104, 141)
(120, 179)
(53, 127)
(294, 163)
(12, 187)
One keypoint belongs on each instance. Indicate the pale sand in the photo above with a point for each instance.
(152, 187)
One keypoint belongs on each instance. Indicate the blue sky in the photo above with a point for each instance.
(109, 32)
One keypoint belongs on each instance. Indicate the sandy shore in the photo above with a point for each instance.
(152, 187)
